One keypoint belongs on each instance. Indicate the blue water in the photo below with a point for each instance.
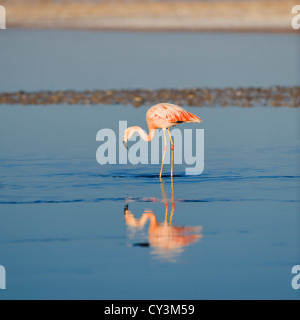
(63, 233)
(84, 60)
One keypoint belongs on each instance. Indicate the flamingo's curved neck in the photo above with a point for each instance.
(146, 137)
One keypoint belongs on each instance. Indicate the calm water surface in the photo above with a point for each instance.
(234, 230)
(62, 60)
(63, 231)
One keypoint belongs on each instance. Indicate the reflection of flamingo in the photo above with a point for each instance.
(162, 116)
(168, 240)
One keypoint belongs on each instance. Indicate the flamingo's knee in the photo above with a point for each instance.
(172, 147)
(166, 148)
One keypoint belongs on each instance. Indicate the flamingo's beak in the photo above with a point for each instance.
(125, 144)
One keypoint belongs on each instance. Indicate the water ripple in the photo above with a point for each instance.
(153, 200)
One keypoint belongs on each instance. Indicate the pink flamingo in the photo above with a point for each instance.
(162, 116)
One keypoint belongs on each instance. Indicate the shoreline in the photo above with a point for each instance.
(249, 30)
(226, 16)
(201, 97)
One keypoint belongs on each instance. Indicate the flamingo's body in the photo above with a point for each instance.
(166, 239)
(167, 115)
(164, 235)
(162, 116)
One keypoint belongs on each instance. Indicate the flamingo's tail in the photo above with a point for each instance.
(193, 118)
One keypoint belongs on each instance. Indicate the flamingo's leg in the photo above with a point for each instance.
(164, 194)
(165, 199)
(173, 202)
(166, 213)
(172, 153)
(165, 150)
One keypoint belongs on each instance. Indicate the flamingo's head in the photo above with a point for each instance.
(128, 133)
(125, 144)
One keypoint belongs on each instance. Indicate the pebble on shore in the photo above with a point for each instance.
(202, 97)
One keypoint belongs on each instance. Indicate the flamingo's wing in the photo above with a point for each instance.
(180, 115)
(164, 115)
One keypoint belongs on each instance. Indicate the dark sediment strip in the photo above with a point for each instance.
(206, 97)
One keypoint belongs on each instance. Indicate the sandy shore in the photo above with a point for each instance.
(267, 16)
(241, 97)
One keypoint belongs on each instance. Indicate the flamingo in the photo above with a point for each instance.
(166, 239)
(162, 116)
(164, 235)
